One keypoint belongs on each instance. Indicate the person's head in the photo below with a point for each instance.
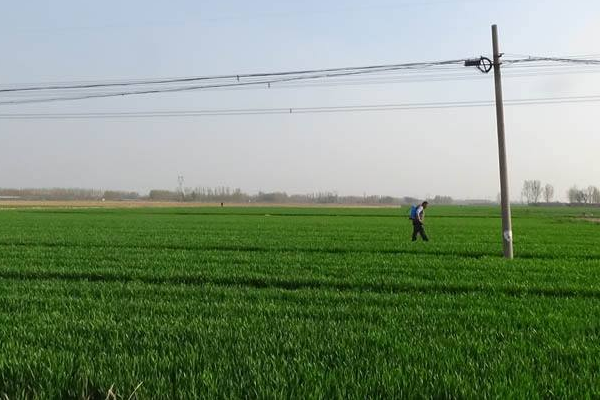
(425, 204)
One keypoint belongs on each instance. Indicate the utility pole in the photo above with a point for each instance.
(507, 238)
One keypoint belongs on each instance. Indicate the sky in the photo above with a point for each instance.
(418, 153)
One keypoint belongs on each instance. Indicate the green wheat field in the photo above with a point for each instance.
(297, 303)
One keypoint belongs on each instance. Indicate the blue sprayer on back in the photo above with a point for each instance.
(413, 212)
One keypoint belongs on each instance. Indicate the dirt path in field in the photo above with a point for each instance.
(594, 220)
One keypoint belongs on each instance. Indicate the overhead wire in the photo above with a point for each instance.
(300, 110)
(409, 67)
(380, 80)
(581, 61)
(287, 77)
(328, 77)
(334, 71)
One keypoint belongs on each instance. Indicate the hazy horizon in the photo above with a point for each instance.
(418, 153)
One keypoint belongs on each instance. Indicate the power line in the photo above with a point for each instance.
(300, 110)
(14, 87)
(343, 71)
(314, 77)
(387, 79)
(410, 67)
(295, 76)
(554, 59)
(418, 77)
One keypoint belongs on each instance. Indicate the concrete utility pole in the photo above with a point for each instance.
(507, 236)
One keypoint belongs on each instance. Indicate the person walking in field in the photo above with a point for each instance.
(417, 214)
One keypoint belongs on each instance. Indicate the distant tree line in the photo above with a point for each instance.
(533, 192)
(67, 194)
(590, 195)
(219, 194)
(116, 195)
(226, 194)
(52, 194)
(442, 200)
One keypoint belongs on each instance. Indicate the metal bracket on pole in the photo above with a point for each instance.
(483, 64)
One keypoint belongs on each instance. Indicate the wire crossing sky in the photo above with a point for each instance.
(238, 81)
(156, 86)
(387, 125)
(303, 110)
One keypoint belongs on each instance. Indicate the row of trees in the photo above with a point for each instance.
(226, 194)
(211, 195)
(52, 194)
(68, 194)
(442, 200)
(590, 195)
(533, 192)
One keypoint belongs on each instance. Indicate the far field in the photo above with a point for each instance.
(297, 302)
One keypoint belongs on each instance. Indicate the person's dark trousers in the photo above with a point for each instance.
(418, 229)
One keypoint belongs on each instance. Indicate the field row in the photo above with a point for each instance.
(245, 342)
(307, 303)
(395, 272)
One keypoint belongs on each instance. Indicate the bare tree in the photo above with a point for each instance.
(532, 191)
(526, 191)
(536, 191)
(594, 195)
(577, 195)
(548, 192)
(573, 194)
(590, 193)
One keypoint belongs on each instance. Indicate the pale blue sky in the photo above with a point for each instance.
(417, 153)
